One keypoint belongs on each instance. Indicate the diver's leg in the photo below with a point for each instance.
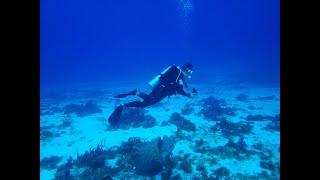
(148, 99)
(126, 94)
(144, 96)
(152, 95)
(116, 115)
(138, 104)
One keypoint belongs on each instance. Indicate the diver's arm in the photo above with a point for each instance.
(182, 92)
(184, 83)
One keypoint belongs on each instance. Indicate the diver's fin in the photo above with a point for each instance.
(133, 92)
(116, 115)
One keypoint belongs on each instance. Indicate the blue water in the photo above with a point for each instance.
(92, 50)
(110, 40)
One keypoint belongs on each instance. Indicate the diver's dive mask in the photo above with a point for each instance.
(188, 73)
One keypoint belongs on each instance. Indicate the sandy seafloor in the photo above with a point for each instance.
(88, 131)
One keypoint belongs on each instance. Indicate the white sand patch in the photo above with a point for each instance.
(248, 167)
(88, 131)
(46, 174)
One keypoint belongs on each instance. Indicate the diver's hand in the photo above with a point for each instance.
(190, 95)
(194, 91)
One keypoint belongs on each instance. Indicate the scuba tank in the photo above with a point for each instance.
(155, 81)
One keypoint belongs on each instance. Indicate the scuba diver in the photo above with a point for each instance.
(170, 82)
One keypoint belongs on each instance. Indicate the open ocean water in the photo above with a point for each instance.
(91, 51)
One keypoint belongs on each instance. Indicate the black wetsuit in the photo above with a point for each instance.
(168, 85)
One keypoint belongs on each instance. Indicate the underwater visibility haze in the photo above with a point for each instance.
(101, 119)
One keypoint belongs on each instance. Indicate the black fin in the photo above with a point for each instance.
(133, 92)
(116, 115)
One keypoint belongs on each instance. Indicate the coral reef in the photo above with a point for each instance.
(92, 158)
(201, 168)
(204, 177)
(263, 153)
(90, 165)
(134, 117)
(146, 158)
(181, 135)
(166, 174)
(97, 173)
(229, 129)
(258, 118)
(186, 164)
(66, 122)
(50, 111)
(240, 146)
(222, 172)
(264, 98)
(274, 125)
(165, 123)
(251, 107)
(258, 146)
(199, 142)
(181, 122)
(42, 128)
(207, 154)
(242, 98)
(201, 146)
(268, 164)
(276, 117)
(214, 109)
(82, 110)
(63, 171)
(50, 162)
(151, 157)
(46, 134)
(212, 145)
(129, 146)
(234, 150)
(262, 175)
(176, 177)
(187, 109)
(202, 171)
(157, 105)
(237, 150)
(213, 161)
(149, 122)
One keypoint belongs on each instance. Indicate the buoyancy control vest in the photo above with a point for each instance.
(170, 75)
